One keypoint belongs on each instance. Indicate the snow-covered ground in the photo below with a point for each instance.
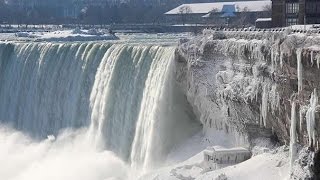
(265, 166)
(185, 161)
(67, 35)
(270, 165)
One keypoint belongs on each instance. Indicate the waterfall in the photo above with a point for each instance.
(44, 85)
(123, 94)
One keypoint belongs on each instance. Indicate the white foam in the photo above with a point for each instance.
(71, 156)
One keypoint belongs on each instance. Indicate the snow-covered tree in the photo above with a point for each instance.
(184, 12)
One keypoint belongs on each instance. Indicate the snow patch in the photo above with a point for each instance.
(68, 35)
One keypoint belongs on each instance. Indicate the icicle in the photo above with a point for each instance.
(311, 58)
(206, 91)
(278, 100)
(299, 70)
(264, 106)
(281, 59)
(300, 119)
(192, 77)
(272, 58)
(274, 98)
(310, 117)
(261, 121)
(318, 60)
(256, 94)
(293, 137)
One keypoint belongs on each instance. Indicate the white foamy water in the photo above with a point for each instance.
(70, 156)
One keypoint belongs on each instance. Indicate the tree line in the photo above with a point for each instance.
(68, 13)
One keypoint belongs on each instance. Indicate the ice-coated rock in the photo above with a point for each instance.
(246, 80)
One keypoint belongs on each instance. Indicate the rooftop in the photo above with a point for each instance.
(221, 150)
(240, 6)
(263, 19)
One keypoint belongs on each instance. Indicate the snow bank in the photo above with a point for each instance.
(266, 166)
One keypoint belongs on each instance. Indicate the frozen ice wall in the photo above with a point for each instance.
(243, 81)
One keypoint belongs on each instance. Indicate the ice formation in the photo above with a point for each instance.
(318, 60)
(274, 99)
(253, 77)
(293, 134)
(310, 117)
(311, 57)
(264, 106)
(299, 70)
(301, 110)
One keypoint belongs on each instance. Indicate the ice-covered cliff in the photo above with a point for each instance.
(254, 85)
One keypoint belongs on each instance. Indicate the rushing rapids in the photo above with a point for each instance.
(123, 95)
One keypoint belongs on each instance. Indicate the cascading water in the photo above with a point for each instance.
(123, 95)
(44, 86)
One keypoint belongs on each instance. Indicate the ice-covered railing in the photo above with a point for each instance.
(264, 30)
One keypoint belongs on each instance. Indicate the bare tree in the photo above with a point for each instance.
(243, 16)
(245, 9)
(268, 10)
(214, 10)
(184, 12)
(214, 17)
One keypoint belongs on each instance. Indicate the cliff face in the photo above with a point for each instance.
(246, 82)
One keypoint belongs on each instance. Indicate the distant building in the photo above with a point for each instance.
(264, 23)
(216, 157)
(292, 12)
(236, 13)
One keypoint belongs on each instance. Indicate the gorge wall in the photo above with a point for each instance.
(254, 84)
